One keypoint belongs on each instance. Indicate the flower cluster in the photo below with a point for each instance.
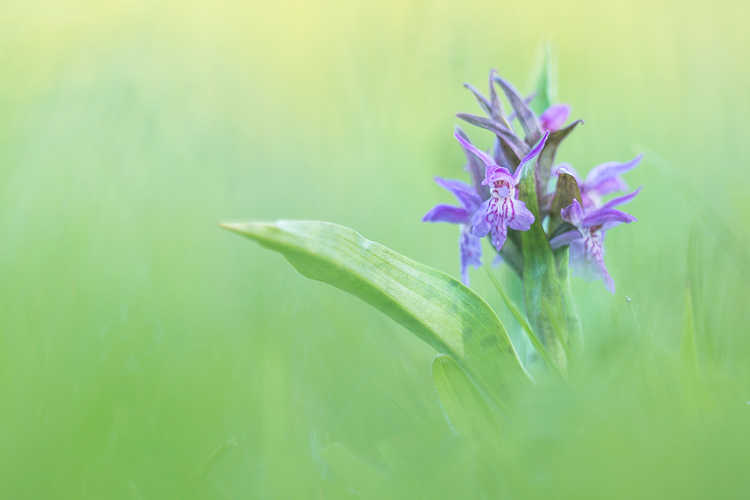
(571, 210)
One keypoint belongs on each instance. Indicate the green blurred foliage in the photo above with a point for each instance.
(138, 342)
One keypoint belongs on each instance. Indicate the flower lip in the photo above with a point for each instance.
(498, 174)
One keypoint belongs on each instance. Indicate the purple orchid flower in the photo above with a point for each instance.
(470, 247)
(502, 210)
(553, 118)
(587, 240)
(602, 180)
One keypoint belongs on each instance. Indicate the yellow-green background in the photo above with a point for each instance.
(136, 337)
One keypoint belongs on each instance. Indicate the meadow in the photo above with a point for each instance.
(145, 353)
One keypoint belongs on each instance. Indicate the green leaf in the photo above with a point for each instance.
(572, 321)
(541, 286)
(464, 408)
(434, 306)
(546, 81)
(521, 319)
(688, 349)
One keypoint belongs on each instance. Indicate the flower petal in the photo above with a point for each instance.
(565, 239)
(487, 159)
(499, 235)
(476, 169)
(530, 157)
(498, 174)
(522, 218)
(622, 199)
(608, 216)
(447, 213)
(597, 178)
(479, 222)
(553, 118)
(465, 194)
(470, 250)
(497, 260)
(589, 265)
(572, 213)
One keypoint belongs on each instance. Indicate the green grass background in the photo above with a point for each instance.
(136, 336)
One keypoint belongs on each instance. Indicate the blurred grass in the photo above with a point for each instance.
(136, 337)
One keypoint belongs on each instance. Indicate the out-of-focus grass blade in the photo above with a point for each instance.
(703, 208)
(194, 481)
(687, 346)
(546, 81)
(357, 474)
(521, 319)
(434, 306)
(462, 404)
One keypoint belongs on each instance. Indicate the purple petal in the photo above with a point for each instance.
(589, 266)
(465, 194)
(553, 118)
(608, 186)
(622, 199)
(499, 235)
(531, 156)
(470, 249)
(595, 180)
(487, 159)
(572, 213)
(608, 216)
(479, 222)
(497, 260)
(498, 174)
(475, 167)
(522, 218)
(565, 239)
(447, 213)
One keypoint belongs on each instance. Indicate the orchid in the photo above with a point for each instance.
(587, 239)
(502, 209)
(470, 247)
(553, 118)
(602, 180)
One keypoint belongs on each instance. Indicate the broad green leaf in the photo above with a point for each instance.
(462, 404)
(434, 306)
(540, 281)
